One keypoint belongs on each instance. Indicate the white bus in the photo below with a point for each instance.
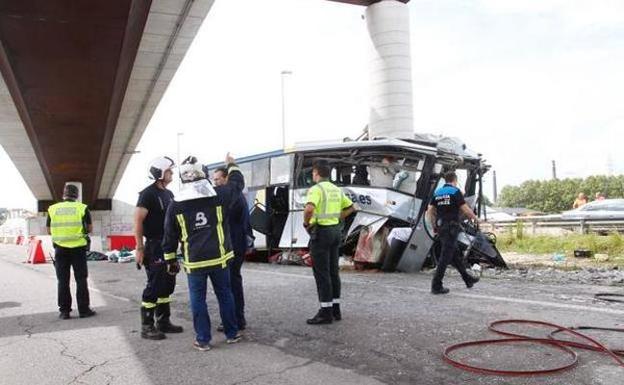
(390, 182)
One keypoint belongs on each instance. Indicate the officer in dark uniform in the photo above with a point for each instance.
(242, 239)
(149, 219)
(444, 213)
(69, 222)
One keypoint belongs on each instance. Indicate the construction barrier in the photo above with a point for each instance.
(35, 252)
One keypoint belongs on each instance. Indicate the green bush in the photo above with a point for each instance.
(554, 196)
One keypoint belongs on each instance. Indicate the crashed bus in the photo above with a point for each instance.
(390, 182)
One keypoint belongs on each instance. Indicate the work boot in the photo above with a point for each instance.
(148, 331)
(324, 316)
(336, 312)
(163, 313)
(441, 290)
(470, 282)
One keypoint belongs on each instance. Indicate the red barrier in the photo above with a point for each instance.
(35, 252)
(118, 242)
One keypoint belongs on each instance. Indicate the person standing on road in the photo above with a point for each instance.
(69, 223)
(240, 233)
(326, 205)
(149, 218)
(199, 219)
(444, 213)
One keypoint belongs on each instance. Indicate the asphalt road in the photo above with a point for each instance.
(393, 331)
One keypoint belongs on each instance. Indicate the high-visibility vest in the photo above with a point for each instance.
(331, 204)
(66, 225)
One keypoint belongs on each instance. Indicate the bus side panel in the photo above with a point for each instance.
(416, 251)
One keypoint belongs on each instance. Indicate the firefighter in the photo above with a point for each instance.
(199, 219)
(149, 217)
(69, 223)
(325, 206)
(444, 213)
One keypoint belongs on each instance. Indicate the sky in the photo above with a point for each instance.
(523, 82)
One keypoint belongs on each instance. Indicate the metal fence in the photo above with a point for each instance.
(534, 225)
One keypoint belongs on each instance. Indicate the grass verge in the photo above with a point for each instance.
(612, 245)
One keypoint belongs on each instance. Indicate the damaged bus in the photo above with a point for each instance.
(390, 182)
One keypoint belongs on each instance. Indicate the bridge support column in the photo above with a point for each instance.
(391, 106)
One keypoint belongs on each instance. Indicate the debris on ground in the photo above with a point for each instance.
(121, 256)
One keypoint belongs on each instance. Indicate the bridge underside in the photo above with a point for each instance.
(80, 82)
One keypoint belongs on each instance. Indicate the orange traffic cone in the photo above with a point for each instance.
(35, 252)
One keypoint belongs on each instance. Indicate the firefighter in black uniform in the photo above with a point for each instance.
(444, 213)
(149, 221)
(199, 219)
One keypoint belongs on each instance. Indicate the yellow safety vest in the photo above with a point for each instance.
(329, 201)
(66, 224)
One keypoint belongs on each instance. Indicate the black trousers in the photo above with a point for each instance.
(449, 254)
(160, 284)
(236, 281)
(324, 246)
(66, 259)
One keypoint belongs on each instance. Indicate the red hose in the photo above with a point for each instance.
(562, 345)
(508, 372)
(599, 347)
(619, 352)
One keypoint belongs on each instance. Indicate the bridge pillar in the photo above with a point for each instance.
(391, 106)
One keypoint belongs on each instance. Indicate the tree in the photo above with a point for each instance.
(554, 196)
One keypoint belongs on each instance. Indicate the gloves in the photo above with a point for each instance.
(173, 267)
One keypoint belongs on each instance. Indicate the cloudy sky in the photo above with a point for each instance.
(522, 81)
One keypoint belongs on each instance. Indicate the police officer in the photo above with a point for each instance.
(444, 213)
(149, 218)
(241, 235)
(325, 206)
(69, 222)
(199, 219)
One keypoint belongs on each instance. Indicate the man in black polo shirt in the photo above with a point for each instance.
(149, 219)
(444, 213)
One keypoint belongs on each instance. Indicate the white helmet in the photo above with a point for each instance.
(159, 165)
(194, 182)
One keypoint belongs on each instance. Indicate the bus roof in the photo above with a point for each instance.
(423, 148)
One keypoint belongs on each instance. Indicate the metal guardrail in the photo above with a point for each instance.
(583, 226)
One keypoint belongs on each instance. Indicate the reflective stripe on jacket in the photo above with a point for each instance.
(66, 224)
(329, 201)
(202, 226)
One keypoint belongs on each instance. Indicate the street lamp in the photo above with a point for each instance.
(283, 75)
(178, 135)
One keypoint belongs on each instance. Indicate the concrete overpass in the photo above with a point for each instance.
(81, 80)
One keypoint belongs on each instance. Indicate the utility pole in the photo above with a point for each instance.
(283, 74)
(495, 188)
(554, 170)
(179, 134)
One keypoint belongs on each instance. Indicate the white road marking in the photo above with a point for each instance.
(465, 295)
